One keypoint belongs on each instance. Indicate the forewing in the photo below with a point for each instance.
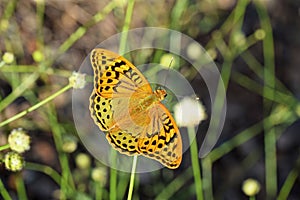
(115, 76)
(115, 80)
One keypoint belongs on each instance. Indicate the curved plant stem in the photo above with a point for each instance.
(23, 113)
(131, 184)
(6, 146)
(127, 21)
(3, 192)
(195, 164)
(113, 176)
(269, 81)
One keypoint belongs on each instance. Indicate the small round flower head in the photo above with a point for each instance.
(189, 112)
(239, 39)
(77, 80)
(99, 174)
(83, 161)
(166, 60)
(38, 56)
(194, 51)
(19, 141)
(251, 187)
(69, 145)
(8, 57)
(13, 161)
(260, 34)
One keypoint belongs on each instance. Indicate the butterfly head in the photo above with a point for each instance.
(160, 94)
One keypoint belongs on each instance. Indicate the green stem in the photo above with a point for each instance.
(123, 182)
(76, 35)
(131, 184)
(207, 178)
(26, 83)
(126, 25)
(4, 193)
(236, 141)
(6, 146)
(113, 176)
(269, 81)
(40, 12)
(21, 187)
(195, 163)
(23, 113)
(289, 182)
(257, 68)
(66, 183)
(44, 169)
(175, 185)
(177, 12)
(278, 97)
(98, 190)
(235, 16)
(252, 198)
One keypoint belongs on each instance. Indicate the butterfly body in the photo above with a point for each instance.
(124, 106)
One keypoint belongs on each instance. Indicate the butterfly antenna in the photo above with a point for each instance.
(168, 70)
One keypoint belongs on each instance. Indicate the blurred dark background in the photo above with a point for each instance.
(23, 33)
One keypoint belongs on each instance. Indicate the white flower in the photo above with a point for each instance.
(13, 161)
(19, 141)
(194, 51)
(8, 57)
(77, 80)
(189, 112)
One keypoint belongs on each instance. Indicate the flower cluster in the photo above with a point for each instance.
(77, 80)
(18, 143)
(189, 112)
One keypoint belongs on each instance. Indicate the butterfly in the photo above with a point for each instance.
(124, 106)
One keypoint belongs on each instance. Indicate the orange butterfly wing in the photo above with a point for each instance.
(124, 106)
